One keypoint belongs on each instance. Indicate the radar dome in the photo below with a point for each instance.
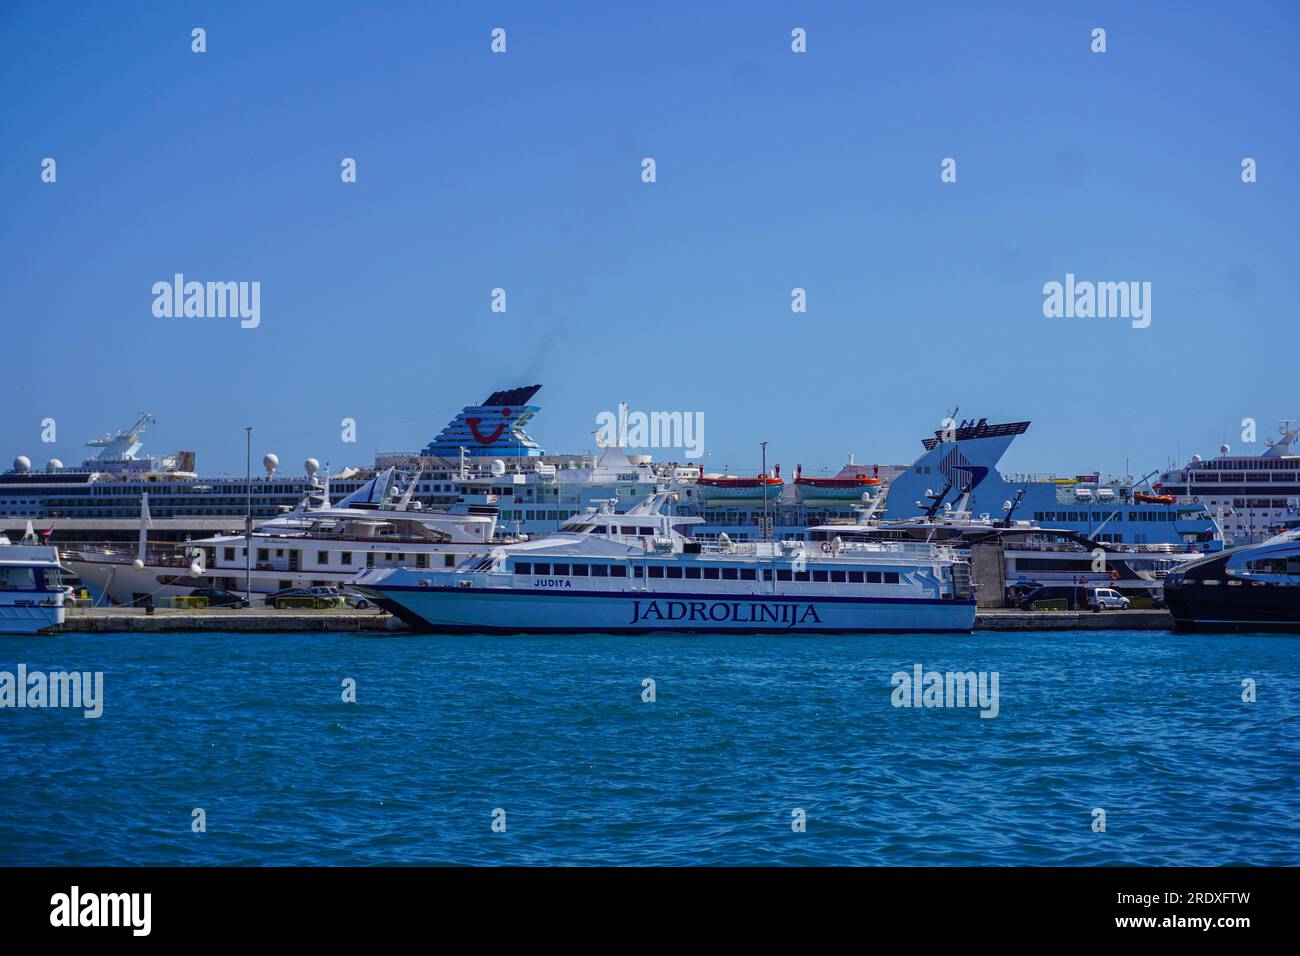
(312, 466)
(1196, 458)
(270, 462)
(22, 463)
(54, 464)
(498, 467)
(1224, 449)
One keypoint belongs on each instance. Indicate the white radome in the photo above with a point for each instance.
(22, 463)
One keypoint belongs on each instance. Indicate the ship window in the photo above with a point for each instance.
(263, 554)
(711, 574)
(730, 574)
(802, 576)
(580, 571)
(346, 557)
(656, 571)
(693, 574)
(748, 574)
(646, 531)
(541, 568)
(421, 560)
(674, 572)
(767, 574)
(891, 577)
(560, 570)
(783, 575)
(617, 571)
(322, 557)
(523, 567)
(856, 577)
(229, 554)
(638, 571)
(821, 577)
(839, 577)
(600, 570)
(18, 579)
(873, 577)
(629, 530)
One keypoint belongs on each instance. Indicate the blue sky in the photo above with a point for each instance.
(775, 170)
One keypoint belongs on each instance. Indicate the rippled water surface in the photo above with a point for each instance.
(1151, 728)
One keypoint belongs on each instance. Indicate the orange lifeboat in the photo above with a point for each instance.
(1143, 498)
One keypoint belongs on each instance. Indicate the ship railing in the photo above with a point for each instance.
(172, 558)
(924, 549)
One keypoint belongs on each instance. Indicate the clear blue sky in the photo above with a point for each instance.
(775, 170)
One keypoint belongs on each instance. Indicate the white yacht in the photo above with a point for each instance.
(315, 545)
(635, 572)
(32, 592)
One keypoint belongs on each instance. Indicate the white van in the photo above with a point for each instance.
(1104, 599)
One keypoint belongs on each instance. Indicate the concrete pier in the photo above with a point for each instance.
(1007, 619)
(132, 619)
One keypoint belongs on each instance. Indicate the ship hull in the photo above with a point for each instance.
(506, 611)
(1223, 608)
(30, 619)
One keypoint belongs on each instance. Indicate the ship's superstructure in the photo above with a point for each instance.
(1253, 496)
(962, 461)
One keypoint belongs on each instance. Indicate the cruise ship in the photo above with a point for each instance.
(636, 571)
(1254, 497)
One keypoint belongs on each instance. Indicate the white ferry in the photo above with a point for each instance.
(31, 587)
(635, 572)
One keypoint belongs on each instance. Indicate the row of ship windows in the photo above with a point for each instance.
(547, 569)
(1161, 515)
(345, 557)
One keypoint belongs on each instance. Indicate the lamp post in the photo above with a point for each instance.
(248, 516)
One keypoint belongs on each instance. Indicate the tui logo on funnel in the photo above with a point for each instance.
(494, 434)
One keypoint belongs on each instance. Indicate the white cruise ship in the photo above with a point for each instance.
(1253, 496)
(636, 572)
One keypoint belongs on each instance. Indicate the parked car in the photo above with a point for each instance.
(219, 597)
(1075, 597)
(354, 600)
(1104, 599)
(316, 597)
